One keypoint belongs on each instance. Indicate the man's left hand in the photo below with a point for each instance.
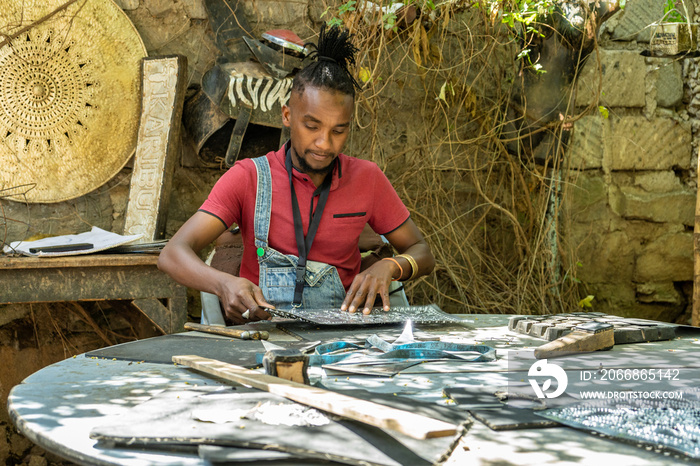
(367, 285)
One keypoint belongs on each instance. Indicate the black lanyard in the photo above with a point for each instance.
(304, 243)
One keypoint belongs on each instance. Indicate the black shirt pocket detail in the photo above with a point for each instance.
(350, 215)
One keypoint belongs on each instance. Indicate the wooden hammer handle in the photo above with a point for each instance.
(228, 332)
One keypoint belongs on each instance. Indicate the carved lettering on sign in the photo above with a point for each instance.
(157, 146)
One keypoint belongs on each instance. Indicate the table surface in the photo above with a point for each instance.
(58, 406)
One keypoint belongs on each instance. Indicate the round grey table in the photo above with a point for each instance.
(59, 405)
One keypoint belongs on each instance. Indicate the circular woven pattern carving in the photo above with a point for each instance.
(69, 96)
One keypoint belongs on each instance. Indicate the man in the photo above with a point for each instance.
(290, 258)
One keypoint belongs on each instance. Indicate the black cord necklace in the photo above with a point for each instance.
(304, 243)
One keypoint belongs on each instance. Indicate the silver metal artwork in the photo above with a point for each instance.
(662, 424)
(428, 314)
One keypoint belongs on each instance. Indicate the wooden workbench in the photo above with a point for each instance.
(96, 277)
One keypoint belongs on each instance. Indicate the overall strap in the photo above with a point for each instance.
(263, 204)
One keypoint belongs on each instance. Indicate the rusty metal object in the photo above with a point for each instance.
(157, 147)
(279, 65)
(69, 96)
(227, 90)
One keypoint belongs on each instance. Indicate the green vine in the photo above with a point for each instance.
(672, 14)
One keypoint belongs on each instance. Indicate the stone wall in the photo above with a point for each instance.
(632, 171)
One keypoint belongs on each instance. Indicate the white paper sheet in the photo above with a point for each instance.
(99, 238)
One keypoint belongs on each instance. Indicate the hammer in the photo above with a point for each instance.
(228, 332)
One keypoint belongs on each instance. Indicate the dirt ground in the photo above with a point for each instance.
(37, 335)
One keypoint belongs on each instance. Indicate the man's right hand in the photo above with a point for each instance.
(180, 259)
(238, 295)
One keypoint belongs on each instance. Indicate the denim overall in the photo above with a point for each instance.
(322, 288)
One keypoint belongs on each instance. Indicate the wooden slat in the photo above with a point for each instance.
(43, 285)
(695, 316)
(164, 80)
(88, 260)
(384, 417)
(156, 313)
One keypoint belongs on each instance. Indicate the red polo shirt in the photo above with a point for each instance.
(360, 193)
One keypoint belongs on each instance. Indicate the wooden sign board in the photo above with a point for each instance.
(157, 146)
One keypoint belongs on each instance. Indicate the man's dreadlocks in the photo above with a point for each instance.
(334, 54)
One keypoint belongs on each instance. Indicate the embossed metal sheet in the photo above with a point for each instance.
(69, 95)
(665, 424)
(626, 330)
(428, 314)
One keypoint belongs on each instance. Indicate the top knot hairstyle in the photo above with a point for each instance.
(334, 54)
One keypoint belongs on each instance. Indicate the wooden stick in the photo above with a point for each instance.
(695, 315)
(384, 417)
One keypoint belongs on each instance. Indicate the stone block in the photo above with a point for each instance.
(611, 296)
(161, 7)
(640, 144)
(657, 181)
(127, 4)
(195, 9)
(634, 203)
(603, 257)
(655, 196)
(290, 14)
(668, 258)
(586, 144)
(665, 292)
(622, 86)
(316, 12)
(586, 197)
(159, 23)
(666, 81)
(197, 44)
(620, 298)
(633, 22)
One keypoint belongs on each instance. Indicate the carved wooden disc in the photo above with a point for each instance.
(69, 96)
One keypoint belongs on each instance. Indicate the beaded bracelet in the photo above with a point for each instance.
(412, 262)
(399, 265)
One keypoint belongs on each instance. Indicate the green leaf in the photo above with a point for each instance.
(604, 111)
(586, 302)
(335, 22)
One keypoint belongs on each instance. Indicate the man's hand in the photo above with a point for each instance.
(238, 295)
(367, 285)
